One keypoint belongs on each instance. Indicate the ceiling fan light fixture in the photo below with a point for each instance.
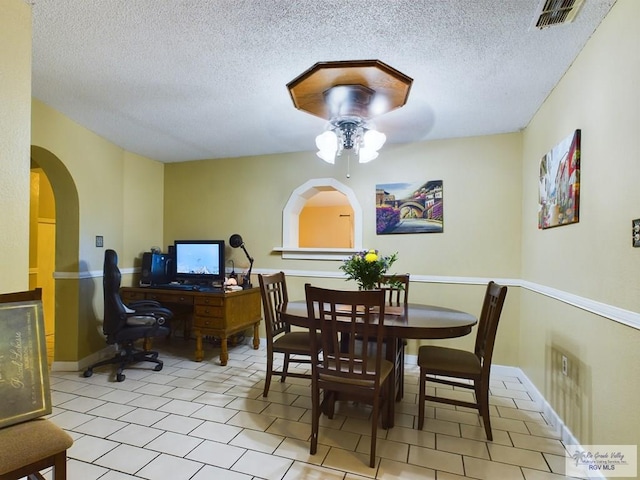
(348, 94)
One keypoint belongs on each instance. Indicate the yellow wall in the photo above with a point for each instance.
(594, 258)
(329, 227)
(15, 101)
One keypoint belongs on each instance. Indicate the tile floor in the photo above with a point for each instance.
(201, 421)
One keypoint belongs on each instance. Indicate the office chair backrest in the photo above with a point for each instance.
(488, 323)
(114, 309)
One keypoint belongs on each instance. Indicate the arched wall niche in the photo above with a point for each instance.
(291, 225)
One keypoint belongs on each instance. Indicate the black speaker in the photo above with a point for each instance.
(157, 269)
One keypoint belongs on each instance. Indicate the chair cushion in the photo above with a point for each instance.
(448, 361)
(29, 442)
(293, 342)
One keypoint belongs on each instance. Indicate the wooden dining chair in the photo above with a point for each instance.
(450, 366)
(28, 447)
(396, 288)
(280, 338)
(353, 369)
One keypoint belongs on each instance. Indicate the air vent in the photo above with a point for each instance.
(556, 12)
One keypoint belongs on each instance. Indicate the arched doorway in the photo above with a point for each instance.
(66, 265)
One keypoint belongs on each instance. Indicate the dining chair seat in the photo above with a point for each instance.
(445, 361)
(32, 446)
(294, 343)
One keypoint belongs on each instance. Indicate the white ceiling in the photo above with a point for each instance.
(179, 80)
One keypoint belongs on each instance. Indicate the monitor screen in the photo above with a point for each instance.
(199, 261)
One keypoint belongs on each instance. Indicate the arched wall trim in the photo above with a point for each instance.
(291, 225)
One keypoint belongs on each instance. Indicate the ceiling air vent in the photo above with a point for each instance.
(556, 12)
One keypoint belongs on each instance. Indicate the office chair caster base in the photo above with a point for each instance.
(158, 367)
(120, 377)
(88, 372)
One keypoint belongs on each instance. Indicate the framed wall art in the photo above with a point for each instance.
(409, 207)
(559, 184)
(24, 374)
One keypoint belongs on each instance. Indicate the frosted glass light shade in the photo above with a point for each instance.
(374, 140)
(366, 155)
(327, 144)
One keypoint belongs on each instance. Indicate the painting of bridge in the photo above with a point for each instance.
(409, 207)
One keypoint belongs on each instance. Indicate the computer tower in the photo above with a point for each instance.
(157, 269)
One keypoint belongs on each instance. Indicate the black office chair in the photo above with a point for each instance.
(123, 324)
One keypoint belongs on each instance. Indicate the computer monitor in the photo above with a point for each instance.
(199, 261)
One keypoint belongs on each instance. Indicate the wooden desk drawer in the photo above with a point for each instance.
(162, 297)
(207, 322)
(208, 300)
(128, 297)
(208, 311)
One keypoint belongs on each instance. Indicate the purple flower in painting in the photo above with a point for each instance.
(386, 217)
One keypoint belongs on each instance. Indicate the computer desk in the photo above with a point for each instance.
(218, 314)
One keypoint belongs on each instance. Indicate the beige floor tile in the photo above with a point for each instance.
(216, 453)
(213, 413)
(462, 446)
(385, 449)
(174, 444)
(509, 425)
(468, 418)
(299, 450)
(208, 472)
(305, 471)
(391, 470)
(500, 437)
(262, 465)
(250, 420)
(540, 444)
(486, 470)
(436, 460)
(543, 430)
(216, 431)
(138, 435)
(350, 462)
(258, 441)
(284, 411)
(178, 423)
(412, 436)
(518, 456)
(517, 414)
(167, 466)
(338, 438)
(290, 429)
(248, 405)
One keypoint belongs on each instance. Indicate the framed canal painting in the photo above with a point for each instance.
(559, 185)
(409, 207)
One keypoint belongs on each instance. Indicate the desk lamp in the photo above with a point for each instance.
(236, 241)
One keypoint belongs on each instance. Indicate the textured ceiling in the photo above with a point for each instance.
(179, 80)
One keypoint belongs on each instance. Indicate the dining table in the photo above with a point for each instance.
(411, 321)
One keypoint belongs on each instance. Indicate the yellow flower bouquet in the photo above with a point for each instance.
(367, 268)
